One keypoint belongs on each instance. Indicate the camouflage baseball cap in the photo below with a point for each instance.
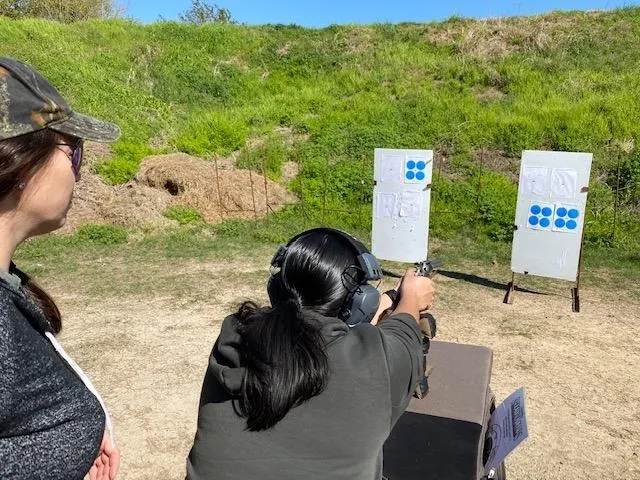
(28, 102)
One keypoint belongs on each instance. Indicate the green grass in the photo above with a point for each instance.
(98, 248)
(184, 215)
(211, 133)
(124, 166)
(560, 81)
(267, 157)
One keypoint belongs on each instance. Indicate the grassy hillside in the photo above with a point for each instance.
(560, 81)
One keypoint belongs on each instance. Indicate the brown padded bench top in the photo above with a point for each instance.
(441, 436)
(458, 382)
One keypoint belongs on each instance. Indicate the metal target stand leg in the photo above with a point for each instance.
(511, 288)
(575, 291)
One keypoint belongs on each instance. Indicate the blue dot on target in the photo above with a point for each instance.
(574, 213)
(535, 209)
(561, 212)
(533, 220)
(411, 164)
(411, 175)
(546, 211)
(545, 222)
(421, 165)
(560, 223)
(420, 176)
(572, 225)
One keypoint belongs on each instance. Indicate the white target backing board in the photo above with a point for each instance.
(401, 203)
(550, 212)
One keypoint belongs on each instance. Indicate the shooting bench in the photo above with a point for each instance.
(442, 435)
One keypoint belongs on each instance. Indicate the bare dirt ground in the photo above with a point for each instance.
(147, 351)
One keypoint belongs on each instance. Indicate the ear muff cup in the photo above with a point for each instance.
(361, 305)
(275, 289)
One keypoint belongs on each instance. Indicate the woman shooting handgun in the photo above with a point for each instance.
(309, 387)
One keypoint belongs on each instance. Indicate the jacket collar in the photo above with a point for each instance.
(11, 290)
(12, 280)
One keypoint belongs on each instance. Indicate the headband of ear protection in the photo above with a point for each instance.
(362, 300)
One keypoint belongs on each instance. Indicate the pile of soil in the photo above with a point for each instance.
(217, 190)
(128, 205)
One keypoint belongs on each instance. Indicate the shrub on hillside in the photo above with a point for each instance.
(66, 12)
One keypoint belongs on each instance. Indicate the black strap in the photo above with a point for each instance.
(393, 295)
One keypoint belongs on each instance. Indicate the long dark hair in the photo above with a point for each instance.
(20, 159)
(283, 349)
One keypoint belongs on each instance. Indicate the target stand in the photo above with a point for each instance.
(549, 219)
(401, 204)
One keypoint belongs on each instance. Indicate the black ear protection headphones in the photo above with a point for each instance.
(363, 299)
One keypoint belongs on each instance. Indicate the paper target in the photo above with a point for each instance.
(567, 218)
(415, 169)
(540, 216)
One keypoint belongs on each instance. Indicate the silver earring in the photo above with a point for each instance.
(21, 186)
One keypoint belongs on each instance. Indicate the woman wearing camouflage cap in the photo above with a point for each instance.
(53, 424)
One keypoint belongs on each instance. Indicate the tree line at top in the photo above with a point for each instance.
(199, 13)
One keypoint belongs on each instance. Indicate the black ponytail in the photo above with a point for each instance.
(282, 346)
(285, 358)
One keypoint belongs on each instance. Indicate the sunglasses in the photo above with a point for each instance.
(75, 156)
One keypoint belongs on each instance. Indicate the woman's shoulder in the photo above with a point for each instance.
(398, 332)
(10, 289)
(10, 280)
(229, 324)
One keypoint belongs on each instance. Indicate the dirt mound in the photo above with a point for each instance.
(129, 205)
(217, 191)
